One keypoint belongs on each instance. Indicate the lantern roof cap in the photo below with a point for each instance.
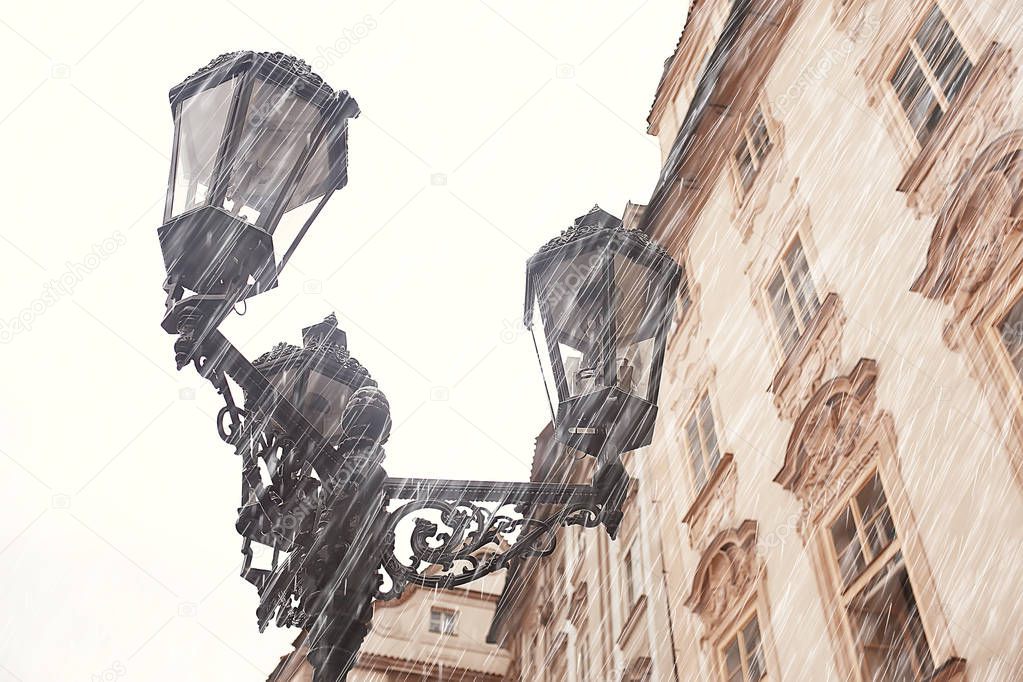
(280, 60)
(597, 221)
(323, 342)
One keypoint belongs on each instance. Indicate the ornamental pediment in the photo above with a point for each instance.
(830, 441)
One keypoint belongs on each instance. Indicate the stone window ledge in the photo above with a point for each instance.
(633, 619)
(952, 670)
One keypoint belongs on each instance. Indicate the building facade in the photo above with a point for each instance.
(834, 491)
(835, 487)
(424, 636)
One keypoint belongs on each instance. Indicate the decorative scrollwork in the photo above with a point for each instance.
(471, 541)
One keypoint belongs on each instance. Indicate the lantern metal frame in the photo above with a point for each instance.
(608, 420)
(249, 264)
(336, 524)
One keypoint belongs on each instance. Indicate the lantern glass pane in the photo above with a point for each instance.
(312, 185)
(573, 295)
(543, 353)
(318, 172)
(323, 402)
(278, 127)
(287, 382)
(638, 307)
(201, 119)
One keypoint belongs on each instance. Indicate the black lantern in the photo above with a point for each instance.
(599, 300)
(318, 379)
(260, 143)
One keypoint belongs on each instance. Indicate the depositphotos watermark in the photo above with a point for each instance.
(114, 671)
(328, 55)
(61, 287)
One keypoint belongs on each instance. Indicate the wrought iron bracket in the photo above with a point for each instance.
(459, 531)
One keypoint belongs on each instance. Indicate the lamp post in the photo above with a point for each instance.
(261, 142)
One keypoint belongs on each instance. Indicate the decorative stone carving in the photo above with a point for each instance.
(824, 450)
(726, 575)
(687, 331)
(815, 357)
(977, 233)
(980, 112)
(714, 507)
(850, 15)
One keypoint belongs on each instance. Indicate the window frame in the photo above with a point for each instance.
(998, 319)
(843, 594)
(780, 265)
(693, 413)
(736, 633)
(921, 9)
(444, 612)
(633, 585)
(746, 142)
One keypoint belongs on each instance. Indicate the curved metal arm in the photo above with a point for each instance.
(457, 538)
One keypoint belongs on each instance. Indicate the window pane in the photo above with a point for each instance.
(754, 652)
(733, 662)
(947, 59)
(695, 453)
(760, 138)
(802, 283)
(744, 161)
(887, 628)
(876, 519)
(710, 438)
(956, 78)
(442, 622)
(630, 581)
(916, 97)
(1011, 331)
(684, 297)
(944, 53)
(781, 309)
(930, 121)
(847, 547)
(908, 80)
(930, 28)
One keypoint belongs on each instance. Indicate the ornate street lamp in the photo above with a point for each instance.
(599, 300)
(260, 144)
(258, 137)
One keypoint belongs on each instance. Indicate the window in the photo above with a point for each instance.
(1011, 331)
(683, 303)
(582, 664)
(742, 655)
(633, 575)
(754, 144)
(930, 74)
(685, 300)
(640, 670)
(875, 590)
(793, 296)
(442, 621)
(701, 442)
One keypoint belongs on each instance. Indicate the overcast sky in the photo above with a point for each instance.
(486, 128)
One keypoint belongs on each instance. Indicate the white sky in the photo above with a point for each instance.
(117, 548)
